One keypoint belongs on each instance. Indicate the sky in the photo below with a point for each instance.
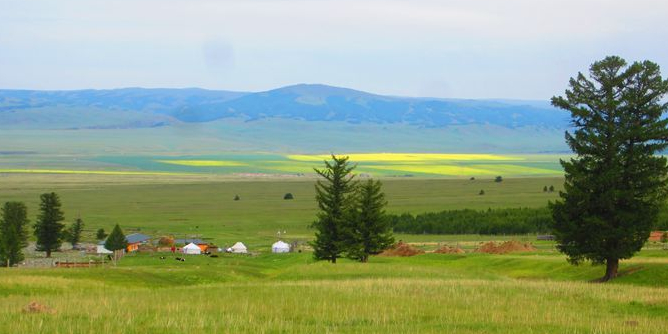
(513, 49)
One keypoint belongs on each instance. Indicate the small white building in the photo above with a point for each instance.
(280, 247)
(102, 250)
(239, 247)
(192, 249)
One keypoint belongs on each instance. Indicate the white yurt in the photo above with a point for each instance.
(239, 247)
(191, 248)
(280, 247)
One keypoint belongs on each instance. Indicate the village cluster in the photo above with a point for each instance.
(189, 246)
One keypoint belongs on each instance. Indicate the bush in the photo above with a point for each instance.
(236, 197)
(482, 192)
(498, 179)
(288, 196)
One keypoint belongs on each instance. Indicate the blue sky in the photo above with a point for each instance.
(516, 49)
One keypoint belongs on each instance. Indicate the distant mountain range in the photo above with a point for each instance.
(140, 107)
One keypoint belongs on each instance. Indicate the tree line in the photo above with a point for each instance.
(468, 221)
(49, 230)
(351, 221)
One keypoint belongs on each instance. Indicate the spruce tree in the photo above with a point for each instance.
(371, 229)
(617, 183)
(73, 234)
(13, 233)
(48, 227)
(335, 201)
(116, 240)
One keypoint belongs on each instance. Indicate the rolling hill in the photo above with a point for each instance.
(299, 118)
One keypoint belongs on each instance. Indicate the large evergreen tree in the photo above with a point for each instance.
(335, 201)
(371, 230)
(13, 233)
(48, 228)
(616, 184)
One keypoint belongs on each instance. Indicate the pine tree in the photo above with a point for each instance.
(544, 189)
(116, 240)
(616, 184)
(551, 189)
(13, 233)
(73, 233)
(335, 201)
(48, 228)
(371, 229)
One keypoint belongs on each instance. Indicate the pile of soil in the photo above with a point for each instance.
(401, 249)
(449, 250)
(35, 307)
(506, 247)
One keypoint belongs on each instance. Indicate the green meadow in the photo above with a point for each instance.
(535, 292)
(204, 206)
(290, 293)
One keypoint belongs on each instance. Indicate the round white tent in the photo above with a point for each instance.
(191, 248)
(280, 247)
(239, 247)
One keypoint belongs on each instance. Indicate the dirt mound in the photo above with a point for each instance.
(449, 250)
(401, 249)
(506, 247)
(35, 307)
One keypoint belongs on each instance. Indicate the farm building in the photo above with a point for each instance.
(280, 247)
(101, 249)
(203, 245)
(239, 247)
(192, 249)
(135, 240)
(656, 235)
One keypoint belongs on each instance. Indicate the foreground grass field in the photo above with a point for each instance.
(290, 293)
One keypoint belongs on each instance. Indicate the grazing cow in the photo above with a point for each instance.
(162, 258)
(213, 255)
(180, 259)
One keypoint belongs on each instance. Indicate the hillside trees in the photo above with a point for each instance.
(49, 226)
(335, 201)
(370, 230)
(13, 233)
(617, 183)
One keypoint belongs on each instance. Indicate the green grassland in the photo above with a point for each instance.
(536, 292)
(290, 293)
(204, 205)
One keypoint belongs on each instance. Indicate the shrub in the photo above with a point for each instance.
(288, 196)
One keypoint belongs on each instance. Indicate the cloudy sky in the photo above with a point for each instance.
(520, 49)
